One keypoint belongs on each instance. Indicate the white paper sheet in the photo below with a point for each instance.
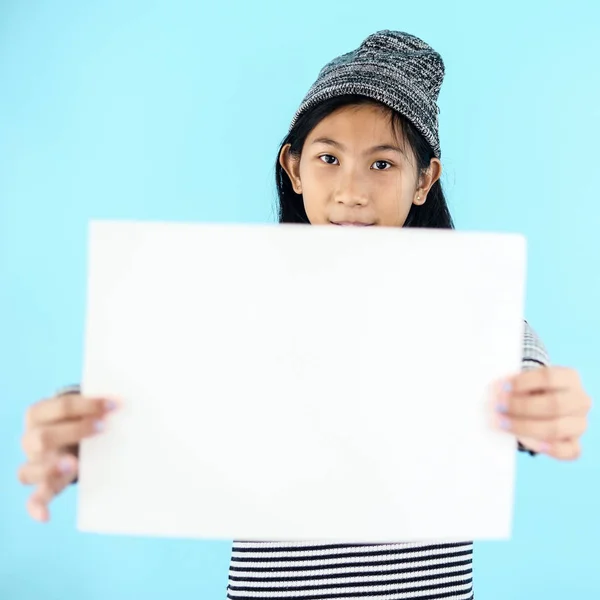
(295, 382)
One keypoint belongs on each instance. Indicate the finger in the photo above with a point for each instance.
(540, 380)
(561, 449)
(52, 438)
(544, 406)
(545, 430)
(565, 450)
(68, 407)
(37, 504)
(37, 510)
(45, 492)
(56, 466)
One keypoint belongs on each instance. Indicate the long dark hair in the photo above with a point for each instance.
(433, 214)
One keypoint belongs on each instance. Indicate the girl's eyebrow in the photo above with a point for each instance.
(372, 150)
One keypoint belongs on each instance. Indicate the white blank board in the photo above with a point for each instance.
(288, 382)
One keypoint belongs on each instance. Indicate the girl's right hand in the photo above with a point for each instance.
(53, 430)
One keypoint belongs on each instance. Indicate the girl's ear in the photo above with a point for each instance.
(426, 181)
(291, 165)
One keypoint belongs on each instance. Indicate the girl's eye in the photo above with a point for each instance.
(328, 159)
(381, 165)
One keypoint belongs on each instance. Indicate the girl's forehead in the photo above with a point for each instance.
(357, 123)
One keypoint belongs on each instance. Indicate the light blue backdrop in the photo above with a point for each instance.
(174, 110)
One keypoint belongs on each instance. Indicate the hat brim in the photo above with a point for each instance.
(406, 100)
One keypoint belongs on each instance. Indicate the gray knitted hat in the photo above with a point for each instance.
(392, 67)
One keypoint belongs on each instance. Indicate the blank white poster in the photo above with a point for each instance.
(288, 382)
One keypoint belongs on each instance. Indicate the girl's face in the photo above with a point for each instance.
(354, 169)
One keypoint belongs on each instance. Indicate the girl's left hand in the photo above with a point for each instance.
(546, 409)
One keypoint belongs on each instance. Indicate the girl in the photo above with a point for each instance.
(363, 150)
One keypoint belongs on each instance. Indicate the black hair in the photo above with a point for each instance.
(434, 213)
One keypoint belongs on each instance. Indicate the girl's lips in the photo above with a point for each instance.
(351, 224)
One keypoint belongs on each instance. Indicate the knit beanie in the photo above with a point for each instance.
(397, 69)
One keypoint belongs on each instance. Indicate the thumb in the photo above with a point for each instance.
(63, 473)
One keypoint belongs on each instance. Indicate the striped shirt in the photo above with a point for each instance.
(323, 571)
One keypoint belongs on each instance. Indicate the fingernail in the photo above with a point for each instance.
(503, 389)
(544, 447)
(110, 405)
(98, 426)
(65, 466)
(505, 423)
(502, 392)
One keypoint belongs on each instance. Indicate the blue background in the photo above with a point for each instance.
(174, 111)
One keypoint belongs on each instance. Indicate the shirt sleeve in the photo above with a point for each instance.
(534, 351)
(535, 356)
(68, 389)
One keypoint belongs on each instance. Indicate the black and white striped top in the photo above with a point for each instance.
(321, 571)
